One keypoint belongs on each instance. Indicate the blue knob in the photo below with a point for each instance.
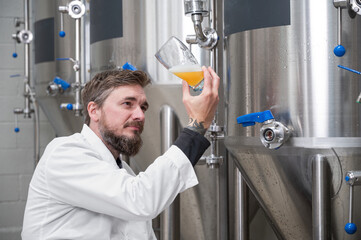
(350, 228)
(339, 51)
(347, 178)
(62, 34)
(69, 106)
(128, 66)
(16, 129)
(15, 55)
(252, 118)
(65, 85)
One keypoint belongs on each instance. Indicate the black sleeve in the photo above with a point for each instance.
(192, 144)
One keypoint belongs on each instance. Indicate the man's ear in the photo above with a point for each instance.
(93, 111)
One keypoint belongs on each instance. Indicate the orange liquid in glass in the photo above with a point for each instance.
(192, 74)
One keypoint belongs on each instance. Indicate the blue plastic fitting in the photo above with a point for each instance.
(69, 106)
(62, 59)
(128, 66)
(350, 228)
(15, 55)
(62, 34)
(16, 129)
(339, 51)
(348, 69)
(252, 118)
(65, 85)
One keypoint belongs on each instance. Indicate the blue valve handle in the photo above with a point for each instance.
(16, 129)
(65, 85)
(252, 118)
(350, 228)
(15, 75)
(15, 55)
(62, 34)
(128, 66)
(62, 59)
(339, 51)
(69, 106)
(349, 69)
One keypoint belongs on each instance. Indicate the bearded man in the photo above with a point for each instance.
(82, 190)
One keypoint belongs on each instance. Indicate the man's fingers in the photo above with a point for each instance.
(207, 80)
(216, 79)
(185, 88)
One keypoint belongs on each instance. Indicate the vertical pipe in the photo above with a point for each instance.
(170, 217)
(339, 26)
(320, 198)
(350, 218)
(242, 212)
(77, 72)
(27, 111)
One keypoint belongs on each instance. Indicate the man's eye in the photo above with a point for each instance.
(127, 103)
(144, 108)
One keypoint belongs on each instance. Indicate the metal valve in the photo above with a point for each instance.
(339, 50)
(273, 134)
(58, 85)
(21, 36)
(206, 38)
(76, 65)
(352, 178)
(355, 5)
(75, 9)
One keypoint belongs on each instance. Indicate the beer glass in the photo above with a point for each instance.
(179, 60)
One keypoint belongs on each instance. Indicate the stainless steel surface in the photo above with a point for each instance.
(63, 122)
(321, 198)
(243, 222)
(170, 217)
(292, 71)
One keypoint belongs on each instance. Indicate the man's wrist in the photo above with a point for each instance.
(196, 126)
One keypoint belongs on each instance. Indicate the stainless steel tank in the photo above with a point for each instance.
(280, 58)
(132, 31)
(49, 46)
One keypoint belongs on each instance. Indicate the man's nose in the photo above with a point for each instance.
(138, 114)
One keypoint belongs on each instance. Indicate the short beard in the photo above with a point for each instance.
(125, 145)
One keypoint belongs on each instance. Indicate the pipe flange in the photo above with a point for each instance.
(76, 9)
(25, 36)
(274, 134)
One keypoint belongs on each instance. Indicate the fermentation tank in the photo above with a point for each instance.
(279, 57)
(49, 49)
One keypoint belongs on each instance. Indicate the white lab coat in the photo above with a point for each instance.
(78, 192)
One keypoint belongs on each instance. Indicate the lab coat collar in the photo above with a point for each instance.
(98, 145)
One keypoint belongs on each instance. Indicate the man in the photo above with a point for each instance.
(81, 189)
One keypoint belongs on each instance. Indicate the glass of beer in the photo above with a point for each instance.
(179, 60)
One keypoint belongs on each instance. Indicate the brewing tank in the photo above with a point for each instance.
(280, 58)
(49, 48)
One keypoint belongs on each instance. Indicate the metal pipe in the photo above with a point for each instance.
(320, 198)
(350, 215)
(170, 217)
(78, 106)
(339, 26)
(197, 22)
(242, 207)
(27, 109)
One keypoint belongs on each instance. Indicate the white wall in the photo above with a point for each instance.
(16, 149)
